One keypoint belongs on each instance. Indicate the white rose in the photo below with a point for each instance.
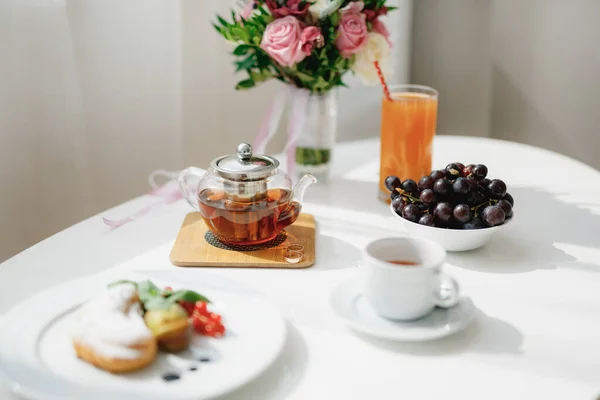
(376, 49)
(323, 8)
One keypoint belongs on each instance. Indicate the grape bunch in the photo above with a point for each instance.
(456, 197)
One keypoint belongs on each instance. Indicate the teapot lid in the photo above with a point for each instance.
(245, 166)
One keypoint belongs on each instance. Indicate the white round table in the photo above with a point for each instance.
(536, 334)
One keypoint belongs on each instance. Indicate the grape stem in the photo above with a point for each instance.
(405, 194)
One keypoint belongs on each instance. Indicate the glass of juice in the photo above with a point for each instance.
(408, 124)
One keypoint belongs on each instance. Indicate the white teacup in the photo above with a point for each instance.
(406, 292)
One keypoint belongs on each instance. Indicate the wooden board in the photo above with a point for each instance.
(191, 248)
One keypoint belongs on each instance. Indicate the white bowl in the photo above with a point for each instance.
(451, 239)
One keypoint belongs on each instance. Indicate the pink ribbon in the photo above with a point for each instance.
(168, 193)
(298, 99)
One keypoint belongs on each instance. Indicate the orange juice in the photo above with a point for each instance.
(408, 124)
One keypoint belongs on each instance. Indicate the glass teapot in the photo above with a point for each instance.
(244, 199)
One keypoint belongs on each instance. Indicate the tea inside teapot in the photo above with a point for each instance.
(248, 220)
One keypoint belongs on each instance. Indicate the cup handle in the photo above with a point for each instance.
(448, 292)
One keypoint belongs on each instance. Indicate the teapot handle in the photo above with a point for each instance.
(185, 185)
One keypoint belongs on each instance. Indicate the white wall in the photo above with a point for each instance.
(546, 75)
(527, 71)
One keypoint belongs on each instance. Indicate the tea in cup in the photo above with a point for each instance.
(403, 278)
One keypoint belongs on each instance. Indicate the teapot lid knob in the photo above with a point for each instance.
(244, 152)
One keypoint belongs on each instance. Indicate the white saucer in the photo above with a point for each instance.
(349, 303)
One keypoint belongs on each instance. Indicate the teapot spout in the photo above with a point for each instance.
(298, 192)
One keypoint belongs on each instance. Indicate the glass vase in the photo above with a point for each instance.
(314, 146)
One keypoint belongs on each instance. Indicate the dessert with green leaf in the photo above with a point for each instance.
(120, 330)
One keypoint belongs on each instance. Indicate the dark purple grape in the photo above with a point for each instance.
(427, 220)
(443, 212)
(493, 215)
(461, 185)
(460, 166)
(442, 186)
(497, 188)
(394, 194)
(410, 186)
(475, 223)
(426, 182)
(462, 213)
(411, 212)
(453, 171)
(510, 199)
(427, 196)
(485, 182)
(480, 171)
(475, 198)
(468, 170)
(423, 207)
(437, 174)
(398, 204)
(392, 182)
(506, 207)
(474, 182)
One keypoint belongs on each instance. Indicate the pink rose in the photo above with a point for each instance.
(352, 32)
(354, 7)
(287, 42)
(379, 27)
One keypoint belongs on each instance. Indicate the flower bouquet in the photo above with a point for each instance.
(310, 46)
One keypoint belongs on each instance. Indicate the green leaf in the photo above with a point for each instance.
(246, 63)
(246, 84)
(121, 282)
(335, 19)
(187, 295)
(390, 8)
(240, 33)
(321, 84)
(222, 21)
(242, 49)
(305, 78)
(147, 290)
(157, 303)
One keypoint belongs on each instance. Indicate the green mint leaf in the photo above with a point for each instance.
(157, 303)
(121, 282)
(188, 296)
(148, 290)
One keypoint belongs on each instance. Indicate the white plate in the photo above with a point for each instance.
(349, 303)
(38, 361)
